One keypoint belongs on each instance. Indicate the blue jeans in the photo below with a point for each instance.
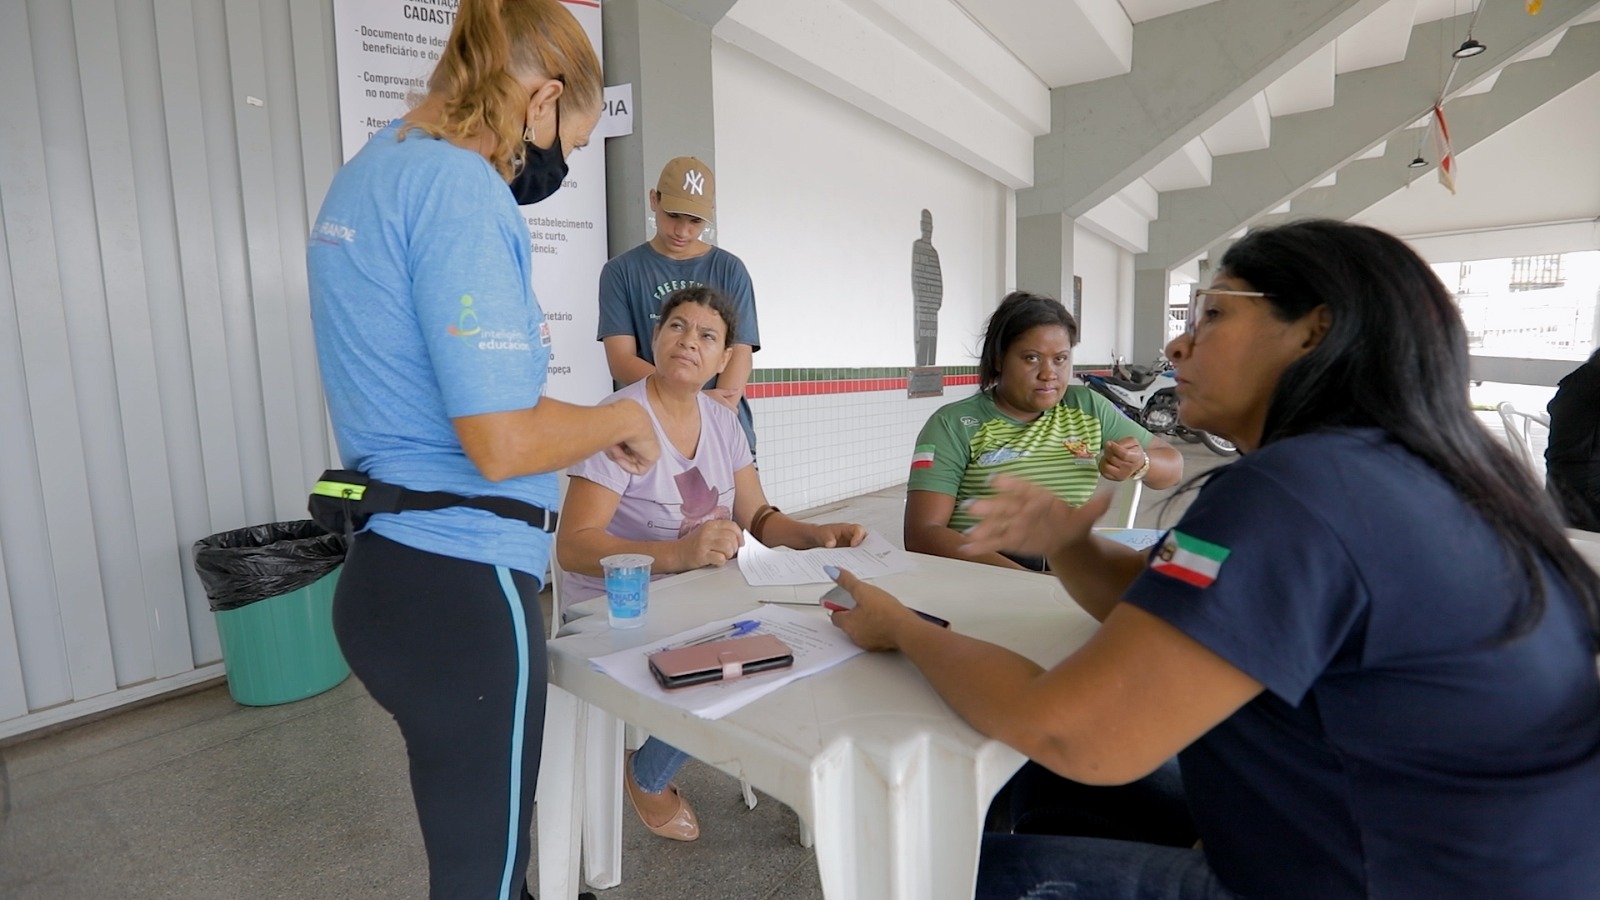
(1047, 867)
(1053, 839)
(655, 763)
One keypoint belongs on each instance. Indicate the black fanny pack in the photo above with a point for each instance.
(343, 500)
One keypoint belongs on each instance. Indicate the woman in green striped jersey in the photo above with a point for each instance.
(1026, 420)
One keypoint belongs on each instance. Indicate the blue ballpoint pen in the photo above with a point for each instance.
(737, 629)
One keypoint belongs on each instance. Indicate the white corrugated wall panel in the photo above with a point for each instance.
(157, 374)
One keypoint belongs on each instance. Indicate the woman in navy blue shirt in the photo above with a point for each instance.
(1368, 641)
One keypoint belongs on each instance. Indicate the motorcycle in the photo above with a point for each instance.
(1148, 395)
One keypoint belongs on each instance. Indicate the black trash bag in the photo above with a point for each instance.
(242, 566)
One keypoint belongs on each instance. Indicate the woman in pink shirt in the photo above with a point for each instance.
(689, 511)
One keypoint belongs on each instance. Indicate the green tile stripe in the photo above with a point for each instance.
(812, 381)
(765, 376)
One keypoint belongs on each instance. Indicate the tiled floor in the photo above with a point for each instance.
(197, 797)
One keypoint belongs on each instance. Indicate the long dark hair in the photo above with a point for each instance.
(1395, 357)
(1018, 313)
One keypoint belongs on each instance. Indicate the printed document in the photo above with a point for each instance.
(763, 565)
(817, 645)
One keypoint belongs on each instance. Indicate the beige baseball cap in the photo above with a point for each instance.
(687, 187)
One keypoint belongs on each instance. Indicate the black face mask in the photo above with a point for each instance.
(542, 169)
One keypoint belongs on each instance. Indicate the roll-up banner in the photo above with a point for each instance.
(385, 50)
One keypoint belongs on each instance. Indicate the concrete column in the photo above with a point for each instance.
(670, 69)
(1149, 314)
(1044, 255)
(1126, 301)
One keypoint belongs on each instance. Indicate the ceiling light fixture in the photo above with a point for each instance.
(1469, 47)
(1417, 163)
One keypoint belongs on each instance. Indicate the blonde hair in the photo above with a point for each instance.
(491, 45)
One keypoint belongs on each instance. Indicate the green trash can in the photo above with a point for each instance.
(271, 590)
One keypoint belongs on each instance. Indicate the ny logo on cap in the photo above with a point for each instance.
(694, 182)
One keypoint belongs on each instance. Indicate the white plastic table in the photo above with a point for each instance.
(892, 785)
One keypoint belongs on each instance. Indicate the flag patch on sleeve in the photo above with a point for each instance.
(1189, 559)
(922, 457)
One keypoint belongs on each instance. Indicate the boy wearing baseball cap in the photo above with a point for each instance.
(633, 285)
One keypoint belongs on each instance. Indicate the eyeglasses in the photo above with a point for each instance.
(1200, 293)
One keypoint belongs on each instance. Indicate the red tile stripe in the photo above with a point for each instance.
(763, 389)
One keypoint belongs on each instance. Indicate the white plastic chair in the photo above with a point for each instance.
(1125, 505)
(609, 740)
(604, 752)
(1518, 425)
(558, 616)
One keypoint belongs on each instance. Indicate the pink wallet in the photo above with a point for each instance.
(719, 660)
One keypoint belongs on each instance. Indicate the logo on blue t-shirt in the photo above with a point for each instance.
(673, 284)
(467, 326)
(467, 323)
(333, 233)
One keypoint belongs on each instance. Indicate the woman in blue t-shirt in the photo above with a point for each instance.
(433, 353)
(1368, 641)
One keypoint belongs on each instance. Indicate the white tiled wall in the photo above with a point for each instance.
(818, 449)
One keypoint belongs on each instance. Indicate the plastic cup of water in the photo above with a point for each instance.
(627, 588)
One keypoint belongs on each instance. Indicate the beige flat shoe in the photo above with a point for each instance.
(681, 826)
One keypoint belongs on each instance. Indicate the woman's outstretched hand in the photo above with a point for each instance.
(1023, 517)
(840, 534)
(877, 618)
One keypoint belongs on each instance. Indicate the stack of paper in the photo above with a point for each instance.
(875, 558)
(817, 645)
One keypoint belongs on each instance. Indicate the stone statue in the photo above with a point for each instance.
(927, 292)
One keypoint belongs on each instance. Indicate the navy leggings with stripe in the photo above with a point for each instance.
(454, 650)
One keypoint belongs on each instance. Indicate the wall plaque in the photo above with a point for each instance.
(925, 381)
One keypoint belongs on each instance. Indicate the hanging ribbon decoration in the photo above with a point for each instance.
(1441, 147)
